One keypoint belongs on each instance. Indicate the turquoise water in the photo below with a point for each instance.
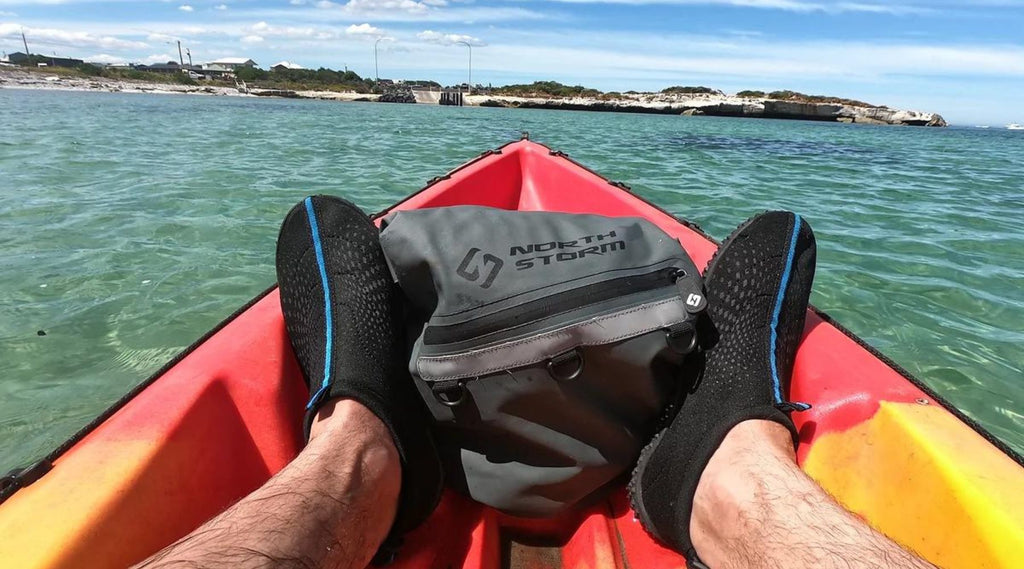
(131, 224)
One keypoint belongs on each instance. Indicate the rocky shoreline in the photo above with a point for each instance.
(651, 103)
(15, 79)
(722, 106)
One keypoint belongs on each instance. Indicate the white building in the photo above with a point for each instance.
(232, 62)
(285, 65)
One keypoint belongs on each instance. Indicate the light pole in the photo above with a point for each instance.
(376, 69)
(470, 46)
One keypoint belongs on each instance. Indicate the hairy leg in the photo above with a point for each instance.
(754, 508)
(330, 507)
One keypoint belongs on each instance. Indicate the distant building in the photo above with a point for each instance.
(169, 67)
(285, 65)
(19, 58)
(231, 63)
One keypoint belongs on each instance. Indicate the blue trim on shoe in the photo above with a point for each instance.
(315, 230)
(776, 382)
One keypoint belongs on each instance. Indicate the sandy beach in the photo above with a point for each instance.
(13, 78)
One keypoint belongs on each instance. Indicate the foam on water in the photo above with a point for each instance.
(150, 218)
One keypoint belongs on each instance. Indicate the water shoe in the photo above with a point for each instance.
(757, 287)
(340, 307)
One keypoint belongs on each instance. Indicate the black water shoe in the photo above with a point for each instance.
(340, 309)
(757, 286)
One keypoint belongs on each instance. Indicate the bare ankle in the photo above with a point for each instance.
(347, 424)
(732, 485)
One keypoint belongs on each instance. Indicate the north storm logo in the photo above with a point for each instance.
(473, 274)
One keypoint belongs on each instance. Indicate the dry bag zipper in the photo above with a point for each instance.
(565, 301)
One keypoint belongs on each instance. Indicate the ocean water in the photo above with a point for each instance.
(131, 224)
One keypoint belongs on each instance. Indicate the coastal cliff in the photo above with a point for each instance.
(721, 106)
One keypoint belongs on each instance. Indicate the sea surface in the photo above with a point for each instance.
(131, 224)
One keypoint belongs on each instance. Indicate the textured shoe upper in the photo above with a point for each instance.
(757, 287)
(340, 309)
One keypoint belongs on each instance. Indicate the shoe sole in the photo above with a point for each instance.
(728, 241)
(636, 500)
(635, 492)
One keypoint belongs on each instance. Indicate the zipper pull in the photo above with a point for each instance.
(690, 291)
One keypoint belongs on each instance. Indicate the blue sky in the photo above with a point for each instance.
(962, 59)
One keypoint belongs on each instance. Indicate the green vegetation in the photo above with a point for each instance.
(677, 90)
(90, 70)
(804, 98)
(546, 89)
(325, 79)
(151, 76)
(322, 79)
(423, 83)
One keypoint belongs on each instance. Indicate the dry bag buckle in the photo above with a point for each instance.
(449, 393)
(567, 366)
(682, 338)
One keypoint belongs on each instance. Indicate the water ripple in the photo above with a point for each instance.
(133, 223)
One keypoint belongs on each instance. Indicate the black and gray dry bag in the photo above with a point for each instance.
(546, 345)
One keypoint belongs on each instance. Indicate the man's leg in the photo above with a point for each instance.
(721, 483)
(754, 508)
(330, 507)
(369, 472)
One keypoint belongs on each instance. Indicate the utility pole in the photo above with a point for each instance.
(470, 46)
(188, 52)
(181, 59)
(25, 41)
(376, 69)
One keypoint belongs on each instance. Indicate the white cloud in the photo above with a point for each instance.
(758, 62)
(221, 7)
(159, 58)
(265, 30)
(785, 5)
(105, 58)
(7, 14)
(297, 2)
(448, 39)
(417, 7)
(67, 38)
(804, 6)
(252, 38)
(327, 11)
(364, 30)
(186, 8)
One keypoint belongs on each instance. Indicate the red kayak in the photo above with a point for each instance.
(222, 417)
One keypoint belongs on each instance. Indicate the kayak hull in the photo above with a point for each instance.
(223, 417)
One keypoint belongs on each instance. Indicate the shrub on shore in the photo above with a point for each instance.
(678, 90)
(322, 79)
(804, 98)
(546, 89)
